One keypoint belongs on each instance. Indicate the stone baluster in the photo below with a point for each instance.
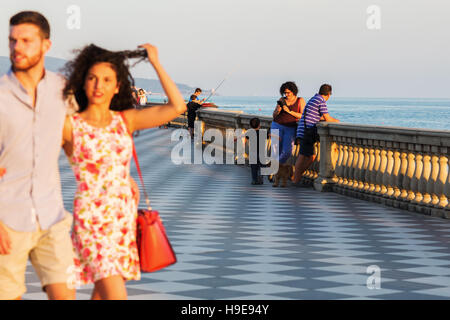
(351, 155)
(425, 178)
(403, 176)
(371, 172)
(415, 181)
(366, 171)
(339, 167)
(432, 186)
(334, 154)
(376, 170)
(355, 171)
(447, 191)
(348, 167)
(396, 178)
(361, 169)
(408, 181)
(344, 166)
(444, 181)
(381, 171)
(388, 174)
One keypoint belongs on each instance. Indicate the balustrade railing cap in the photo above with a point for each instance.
(211, 111)
(368, 127)
(231, 116)
(440, 138)
(260, 117)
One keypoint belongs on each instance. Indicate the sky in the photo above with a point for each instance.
(401, 49)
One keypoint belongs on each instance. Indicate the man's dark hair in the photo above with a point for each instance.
(32, 17)
(254, 123)
(291, 86)
(198, 90)
(325, 89)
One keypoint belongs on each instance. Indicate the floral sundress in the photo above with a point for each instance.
(104, 233)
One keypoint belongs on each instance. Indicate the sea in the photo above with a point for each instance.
(397, 112)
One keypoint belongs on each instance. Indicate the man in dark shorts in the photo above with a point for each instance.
(315, 110)
(193, 105)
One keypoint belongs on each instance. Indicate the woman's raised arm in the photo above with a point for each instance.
(161, 114)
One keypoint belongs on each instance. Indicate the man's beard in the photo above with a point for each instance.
(27, 63)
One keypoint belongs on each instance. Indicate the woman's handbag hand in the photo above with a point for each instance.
(135, 191)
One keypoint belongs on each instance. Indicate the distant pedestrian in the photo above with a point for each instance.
(193, 105)
(135, 94)
(142, 97)
(255, 124)
(285, 118)
(315, 110)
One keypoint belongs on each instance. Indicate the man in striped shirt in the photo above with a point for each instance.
(315, 110)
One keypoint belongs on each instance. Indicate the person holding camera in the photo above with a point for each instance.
(288, 111)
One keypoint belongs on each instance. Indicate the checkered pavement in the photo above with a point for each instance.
(238, 241)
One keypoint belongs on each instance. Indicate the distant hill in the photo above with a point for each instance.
(55, 64)
(155, 86)
(52, 64)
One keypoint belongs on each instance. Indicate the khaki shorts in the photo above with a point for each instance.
(50, 252)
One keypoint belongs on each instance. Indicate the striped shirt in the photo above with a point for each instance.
(314, 110)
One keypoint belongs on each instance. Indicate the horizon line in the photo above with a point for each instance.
(339, 97)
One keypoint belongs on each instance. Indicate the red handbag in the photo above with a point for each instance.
(155, 250)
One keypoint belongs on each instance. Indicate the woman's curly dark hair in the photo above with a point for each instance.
(291, 86)
(76, 71)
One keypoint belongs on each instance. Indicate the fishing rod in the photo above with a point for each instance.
(213, 91)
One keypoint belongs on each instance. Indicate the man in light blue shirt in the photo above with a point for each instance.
(33, 222)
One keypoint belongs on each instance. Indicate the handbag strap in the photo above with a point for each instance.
(138, 167)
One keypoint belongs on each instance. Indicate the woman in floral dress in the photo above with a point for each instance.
(97, 142)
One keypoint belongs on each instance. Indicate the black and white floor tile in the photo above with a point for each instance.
(238, 241)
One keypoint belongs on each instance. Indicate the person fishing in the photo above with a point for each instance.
(193, 105)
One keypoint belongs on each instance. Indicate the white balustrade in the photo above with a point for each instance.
(406, 168)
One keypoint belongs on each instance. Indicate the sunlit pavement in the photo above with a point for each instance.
(238, 241)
